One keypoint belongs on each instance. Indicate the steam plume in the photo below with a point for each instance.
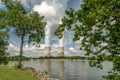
(53, 11)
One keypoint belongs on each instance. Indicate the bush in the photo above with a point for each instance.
(3, 54)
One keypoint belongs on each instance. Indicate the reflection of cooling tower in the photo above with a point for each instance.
(60, 51)
(46, 65)
(47, 51)
(61, 70)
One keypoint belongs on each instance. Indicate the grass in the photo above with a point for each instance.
(10, 73)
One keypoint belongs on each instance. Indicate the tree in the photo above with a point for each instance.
(3, 47)
(3, 38)
(98, 22)
(26, 26)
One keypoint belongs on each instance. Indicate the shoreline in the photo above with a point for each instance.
(15, 58)
(41, 75)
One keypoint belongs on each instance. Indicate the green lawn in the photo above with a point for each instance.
(9, 73)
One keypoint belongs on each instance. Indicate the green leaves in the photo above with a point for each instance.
(3, 37)
(3, 47)
(35, 27)
(98, 22)
(24, 25)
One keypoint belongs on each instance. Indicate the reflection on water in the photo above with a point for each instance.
(68, 69)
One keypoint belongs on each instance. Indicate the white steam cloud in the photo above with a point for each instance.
(45, 9)
(53, 11)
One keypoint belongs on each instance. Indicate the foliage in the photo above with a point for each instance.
(9, 73)
(25, 26)
(15, 58)
(3, 47)
(98, 23)
(3, 38)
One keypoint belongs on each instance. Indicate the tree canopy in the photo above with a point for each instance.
(29, 26)
(98, 22)
(3, 45)
(3, 38)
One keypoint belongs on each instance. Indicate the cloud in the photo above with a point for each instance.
(33, 51)
(53, 11)
(30, 51)
(45, 9)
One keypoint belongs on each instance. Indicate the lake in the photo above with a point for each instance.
(67, 69)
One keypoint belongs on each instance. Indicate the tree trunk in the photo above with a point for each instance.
(21, 53)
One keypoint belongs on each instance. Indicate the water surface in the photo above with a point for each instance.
(68, 69)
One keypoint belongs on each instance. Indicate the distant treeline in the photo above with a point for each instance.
(15, 58)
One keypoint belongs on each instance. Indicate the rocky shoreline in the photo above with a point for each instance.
(41, 75)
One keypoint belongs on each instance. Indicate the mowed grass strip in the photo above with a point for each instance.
(9, 73)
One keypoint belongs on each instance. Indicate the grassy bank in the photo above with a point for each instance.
(9, 73)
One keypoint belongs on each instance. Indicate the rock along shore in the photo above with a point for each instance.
(41, 75)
